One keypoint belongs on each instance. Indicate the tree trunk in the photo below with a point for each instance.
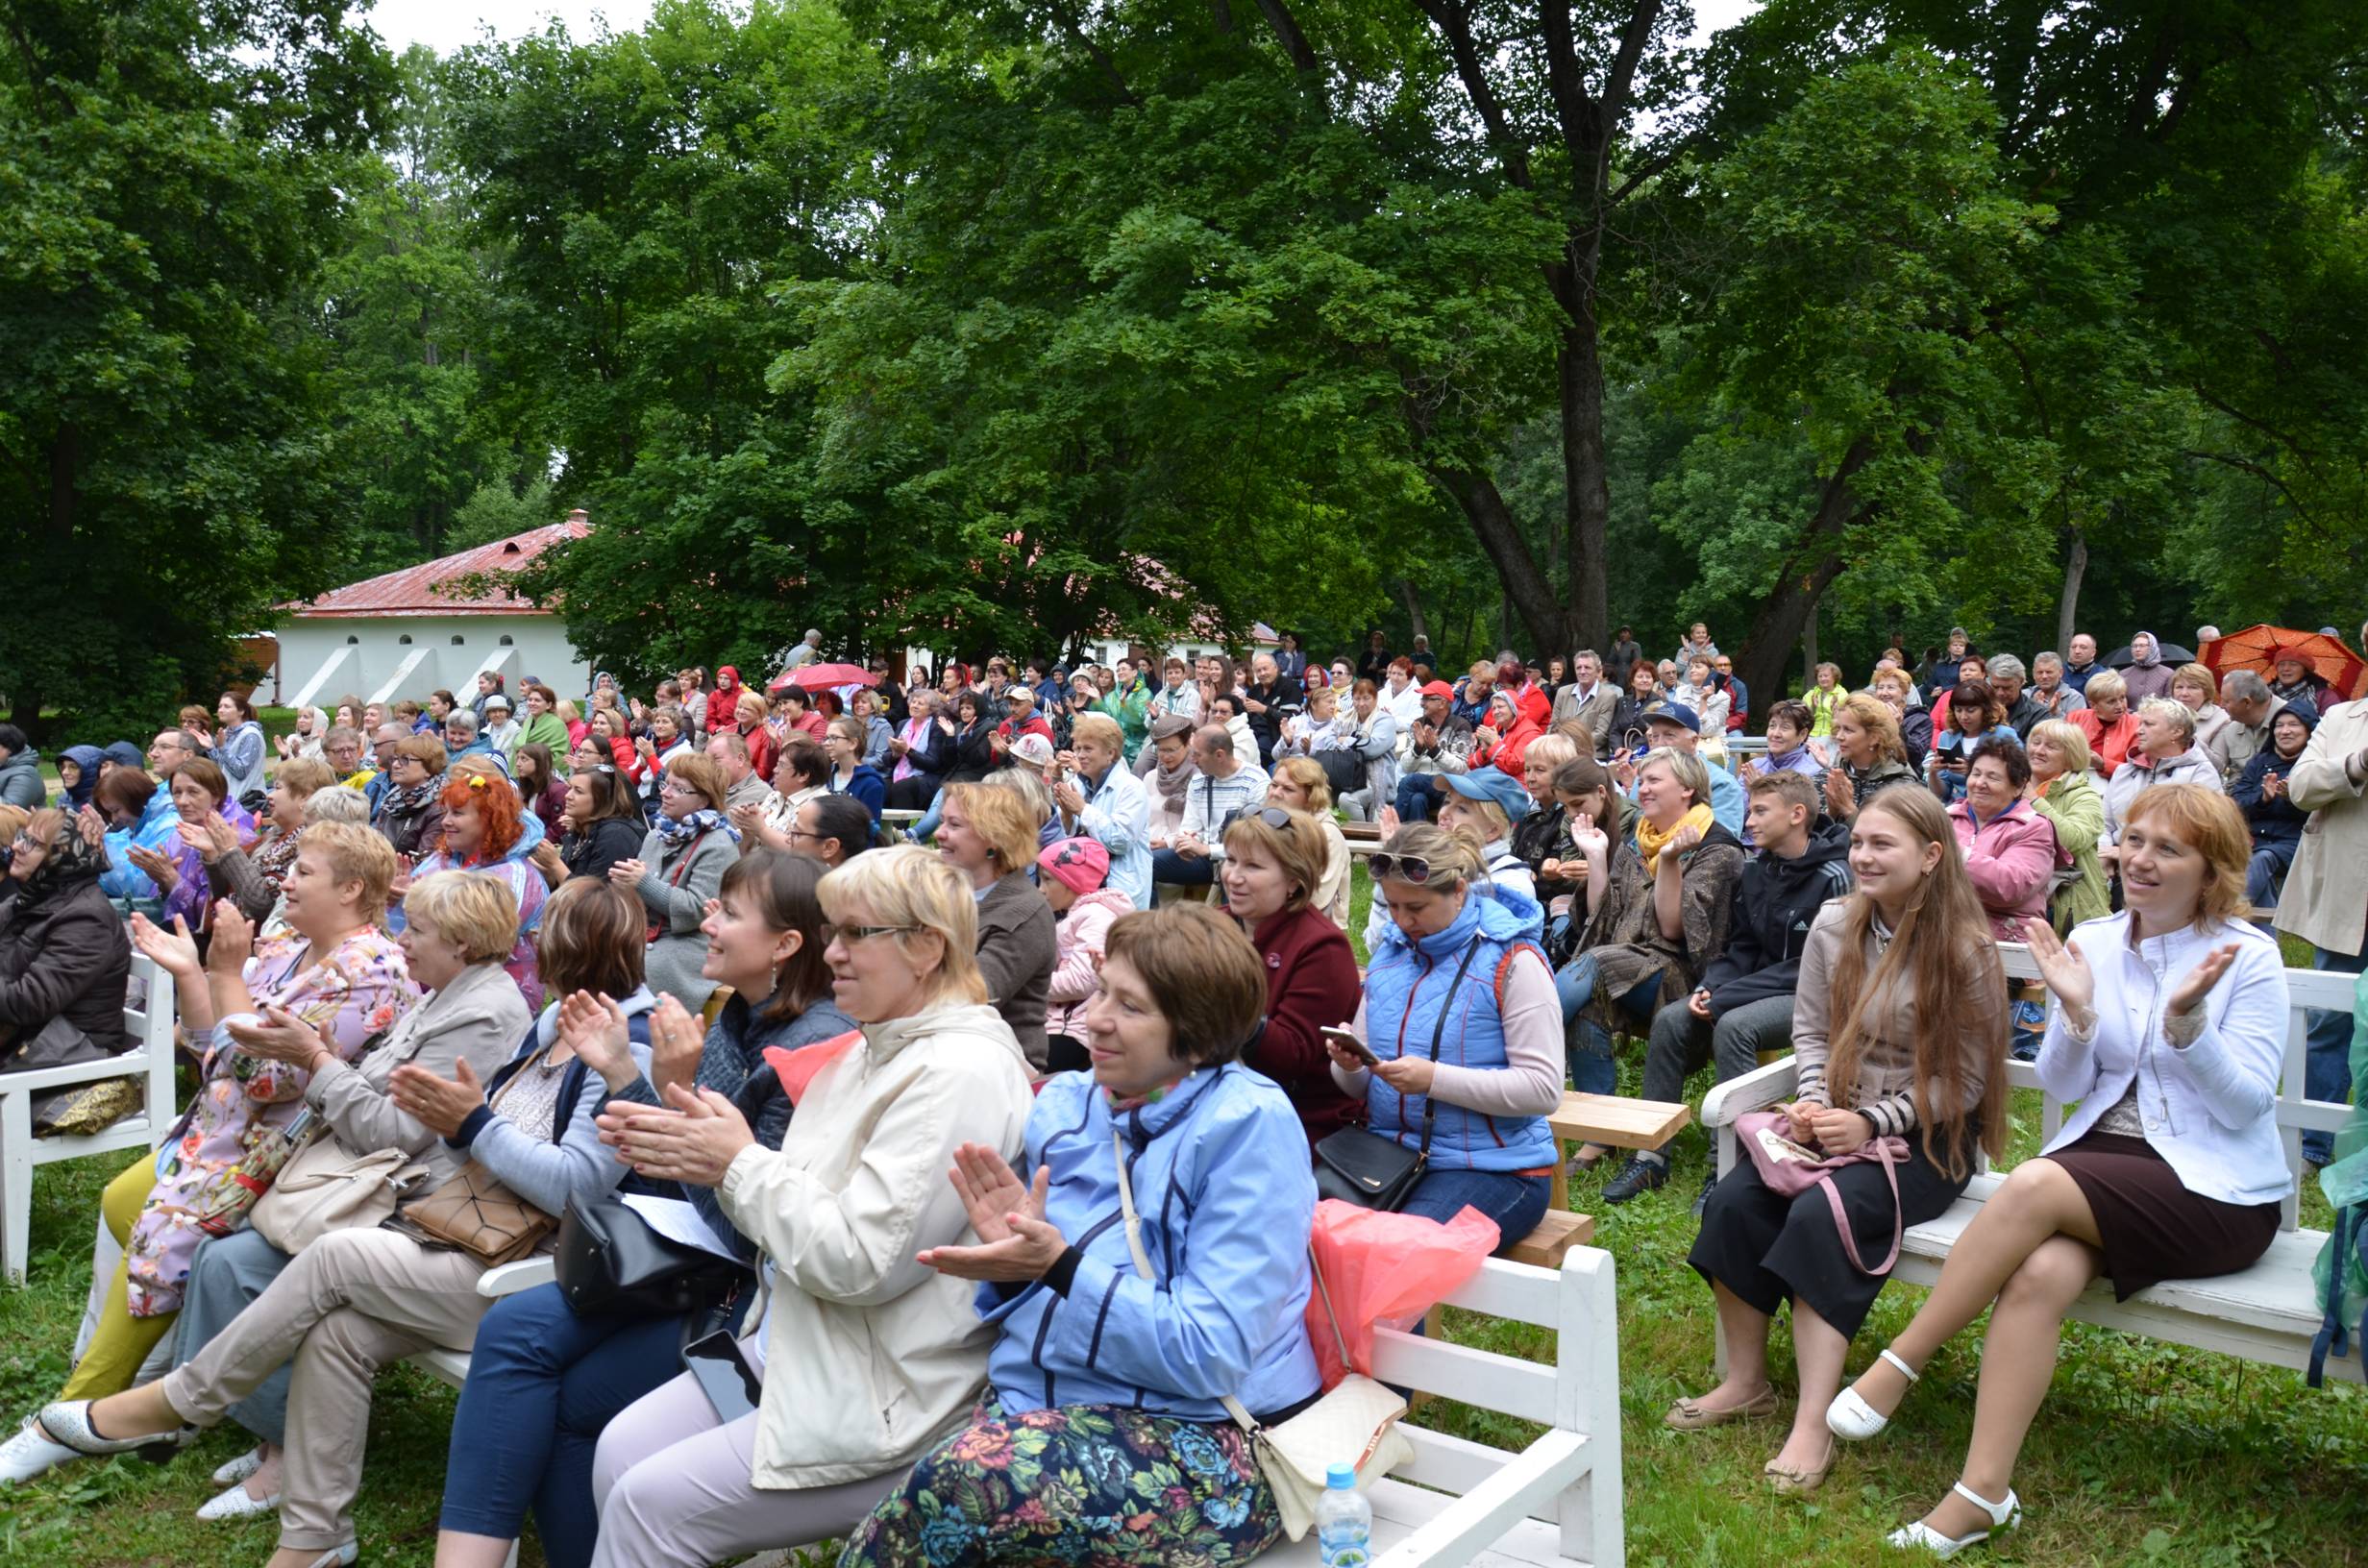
(2067, 608)
(1414, 609)
(1809, 644)
(1809, 569)
(1516, 568)
(1587, 492)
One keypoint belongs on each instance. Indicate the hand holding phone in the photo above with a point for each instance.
(724, 1375)
(1350, 1044)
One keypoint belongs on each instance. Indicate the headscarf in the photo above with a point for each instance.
(72, 861)
(87, 758)
(2152, 659)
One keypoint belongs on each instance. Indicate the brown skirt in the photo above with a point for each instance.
(2153, 1229)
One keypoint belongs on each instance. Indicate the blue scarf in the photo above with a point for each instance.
(691, 826)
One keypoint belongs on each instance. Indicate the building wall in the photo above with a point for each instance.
(379, 646)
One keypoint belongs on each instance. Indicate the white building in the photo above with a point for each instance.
(395, 635)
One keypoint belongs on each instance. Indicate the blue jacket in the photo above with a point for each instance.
(1222, 1181)
(1405, 989)
(158, 828)
(868, 785)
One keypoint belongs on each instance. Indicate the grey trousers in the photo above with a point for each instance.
(347, 1305)
(672, 1485)
(228, 1273)
(1681, 1042)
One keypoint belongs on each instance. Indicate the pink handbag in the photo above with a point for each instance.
(1788, 1168)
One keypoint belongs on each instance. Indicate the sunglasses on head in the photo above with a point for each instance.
(1412, 868)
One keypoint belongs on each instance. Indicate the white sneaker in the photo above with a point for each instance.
(31, 1453)
(234, 1471)
(239, 1503)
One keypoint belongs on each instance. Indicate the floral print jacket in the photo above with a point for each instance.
(357, 991)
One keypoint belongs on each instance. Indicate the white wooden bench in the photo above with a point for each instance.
(2267, 1313)
(151, 1059)
(452, 1366)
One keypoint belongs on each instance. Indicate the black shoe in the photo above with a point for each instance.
(1640, 1174)
(1702, 1199)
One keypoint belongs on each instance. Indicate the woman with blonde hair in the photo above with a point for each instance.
(989, 833)
(1274, 864)
(250, 877)
(1868, 755)
(867, 1354)
(339, 975)
(1899, 1029)
(2169, 1029)
(679, 868)
(2061, 790)
(1298, 784)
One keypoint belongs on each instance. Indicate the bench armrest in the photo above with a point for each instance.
(38, 1080)
(1755, 1091)
(512, 1278)
(1472, 1522)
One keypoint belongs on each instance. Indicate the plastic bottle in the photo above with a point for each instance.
(1344, 1521)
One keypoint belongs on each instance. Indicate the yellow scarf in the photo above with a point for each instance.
(1650, 841)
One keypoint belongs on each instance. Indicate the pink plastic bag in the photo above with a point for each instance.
(1386, 1270)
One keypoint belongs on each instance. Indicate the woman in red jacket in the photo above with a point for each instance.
(1275, 861)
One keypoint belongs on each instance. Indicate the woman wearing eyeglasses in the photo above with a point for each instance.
(679, 868)
(867, 1354)
(1460, 1008)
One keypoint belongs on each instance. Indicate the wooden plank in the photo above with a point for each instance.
(1617, 1121)
(1475, 1376)
(1521, 1291)
(1556, 1235)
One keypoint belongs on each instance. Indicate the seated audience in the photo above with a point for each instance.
(1974, 714)
(680, 866)
(2063, 791)
(337, 974)
(1300, 784)
(1072, 874)
(1742, 1005)
(2010, 847)
(843, 742)
(833, 828)
(1274, 864)
(2164, 753)
(2107, 725)
(1899, 1030)
(64, 963)
(1439, 742)
(201, 798)
(251, 877)
(1371, 730)
(1098, 797)
(2169, 1030)
(1167, 780)
(2245, 698)
(545, 1380)
(2195, 689)
(1224, 782)
(868, 1356)
(2272, 819)
(1671, 727)
(486, 833)
(1456, 961)
(534, 770)
(2146, 678)
(602, 825)
(1868, 756)
(410, 809)
(989, 836)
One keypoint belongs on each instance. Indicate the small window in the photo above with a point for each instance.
(505, 640)
(404, 641)
(353, 642)
(459, 640)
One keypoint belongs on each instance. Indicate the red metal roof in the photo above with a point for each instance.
(411, 590)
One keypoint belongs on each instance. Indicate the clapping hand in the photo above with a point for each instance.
(1589, 840)
(160, 870)
(1840, 798)
(1387, 820)
(232, 944)
(438, 1104)
(281, 1035)
(2272, 786)
(2065, 968)
(695, 1140)
(627, 874)
(593, 1026)
(93, 825)
(2198, 981)
(1015, 1244)
(173, 951)
(677, 1041)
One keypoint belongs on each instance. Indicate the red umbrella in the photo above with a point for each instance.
(2259, 648)
(824, 678)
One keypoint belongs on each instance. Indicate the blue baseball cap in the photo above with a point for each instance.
(1674, 713)
(1491, 783)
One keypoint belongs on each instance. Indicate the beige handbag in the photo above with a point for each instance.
(1359, 1417)
(329, 1188)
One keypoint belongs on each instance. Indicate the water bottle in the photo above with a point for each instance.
(1344, 1521)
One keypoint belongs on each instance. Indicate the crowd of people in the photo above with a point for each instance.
(545, 955)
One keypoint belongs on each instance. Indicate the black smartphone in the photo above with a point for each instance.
(732, 1385)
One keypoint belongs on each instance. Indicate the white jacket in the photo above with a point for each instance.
(2210, 1110)
(870, 1357)
(2322, 902)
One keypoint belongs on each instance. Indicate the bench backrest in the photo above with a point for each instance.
(2297, 1114)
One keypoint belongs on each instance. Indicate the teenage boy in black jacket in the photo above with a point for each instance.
(1743, 1005)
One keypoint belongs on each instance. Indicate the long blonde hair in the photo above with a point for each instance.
(1943, 950)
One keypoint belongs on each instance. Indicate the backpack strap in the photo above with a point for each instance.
(2333, 1333)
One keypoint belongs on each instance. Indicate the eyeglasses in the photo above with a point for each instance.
(1412, 868)
(1274, 816)
(832, 933)
(674, 786)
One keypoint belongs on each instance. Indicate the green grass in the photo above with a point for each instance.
(2145, 1454)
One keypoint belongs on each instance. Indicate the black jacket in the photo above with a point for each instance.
(1775, 902)
(611, 840)
(65, 956)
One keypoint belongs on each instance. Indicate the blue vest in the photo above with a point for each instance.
(1406, 991)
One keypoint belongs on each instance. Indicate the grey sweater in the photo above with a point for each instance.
(677, 905)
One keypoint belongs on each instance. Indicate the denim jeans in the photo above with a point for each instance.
(1415, 794)
(1515, 1203)
(542, 1383)
(1589, 1044)
(2267, 873)
(2327, 1065)
(1184, 870)
(922, 831)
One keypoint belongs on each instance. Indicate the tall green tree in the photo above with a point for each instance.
(170, 174)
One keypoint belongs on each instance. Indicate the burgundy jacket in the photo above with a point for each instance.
(1310, 983)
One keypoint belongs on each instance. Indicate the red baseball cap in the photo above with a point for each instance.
(1440, 688)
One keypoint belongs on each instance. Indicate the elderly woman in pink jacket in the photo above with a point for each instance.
(2010, 848)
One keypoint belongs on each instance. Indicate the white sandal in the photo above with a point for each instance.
(67, 1422)
(239, 1503)
(1922, 1536)
(231, 1472)
(1851, 1419)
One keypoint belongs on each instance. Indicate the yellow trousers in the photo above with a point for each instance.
(120, 1342)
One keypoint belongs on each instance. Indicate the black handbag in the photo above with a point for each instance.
(1377, 1172)
(609, 1261)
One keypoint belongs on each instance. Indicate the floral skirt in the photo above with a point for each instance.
(1083, 1483)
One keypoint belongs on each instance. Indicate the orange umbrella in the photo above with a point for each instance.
(2260, 649)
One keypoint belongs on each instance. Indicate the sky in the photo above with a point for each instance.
(445, 25)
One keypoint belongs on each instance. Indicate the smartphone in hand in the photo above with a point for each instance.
(724, 1375)
(1354, 1047)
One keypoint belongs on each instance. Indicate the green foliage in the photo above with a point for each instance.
(171, 177)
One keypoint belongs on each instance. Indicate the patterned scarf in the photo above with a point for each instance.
(1651, 841)
(72, 860)
(273, 854)
(411, 798)
(691, 826)
(1172, 782)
